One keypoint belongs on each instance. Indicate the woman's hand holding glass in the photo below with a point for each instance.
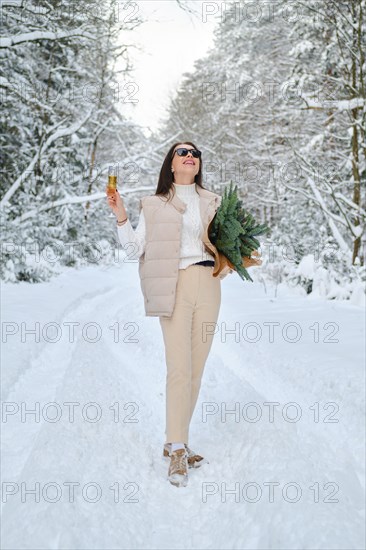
(115, 203)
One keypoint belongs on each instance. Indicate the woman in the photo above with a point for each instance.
(175, 268)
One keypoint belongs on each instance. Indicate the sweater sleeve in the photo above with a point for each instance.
(133, 240)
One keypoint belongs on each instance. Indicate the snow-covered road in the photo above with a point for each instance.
(280, 418)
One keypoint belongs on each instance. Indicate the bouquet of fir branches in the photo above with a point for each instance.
(233, 233)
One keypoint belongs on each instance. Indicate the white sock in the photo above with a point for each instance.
(176, 446)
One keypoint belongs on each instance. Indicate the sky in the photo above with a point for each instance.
(170, 41)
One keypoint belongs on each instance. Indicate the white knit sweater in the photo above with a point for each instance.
(192, 249)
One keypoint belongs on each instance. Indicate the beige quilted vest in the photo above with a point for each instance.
(158, 265)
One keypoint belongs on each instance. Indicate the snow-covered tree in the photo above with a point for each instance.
(64, 68)
(278, 105)
(329, 72)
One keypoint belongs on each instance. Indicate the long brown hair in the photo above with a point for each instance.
(165, 182)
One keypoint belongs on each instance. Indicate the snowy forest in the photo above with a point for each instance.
(277, 106)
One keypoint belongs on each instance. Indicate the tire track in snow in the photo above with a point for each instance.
(44, 376)
(164, 516)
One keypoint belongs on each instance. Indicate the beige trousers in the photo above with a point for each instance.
(188, 336)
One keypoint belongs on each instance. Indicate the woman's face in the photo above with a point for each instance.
(185, 165)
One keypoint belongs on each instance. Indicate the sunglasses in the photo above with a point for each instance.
(183, 152)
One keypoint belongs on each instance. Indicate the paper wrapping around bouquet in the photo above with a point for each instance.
(223, 266)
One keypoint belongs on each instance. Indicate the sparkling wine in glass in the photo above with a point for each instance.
(112, 183)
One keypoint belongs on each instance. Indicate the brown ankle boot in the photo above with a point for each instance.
(178, 468)
(194, 460)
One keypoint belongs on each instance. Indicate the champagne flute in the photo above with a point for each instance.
(112, 184)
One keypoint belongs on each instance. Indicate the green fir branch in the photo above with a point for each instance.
(233, 230)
